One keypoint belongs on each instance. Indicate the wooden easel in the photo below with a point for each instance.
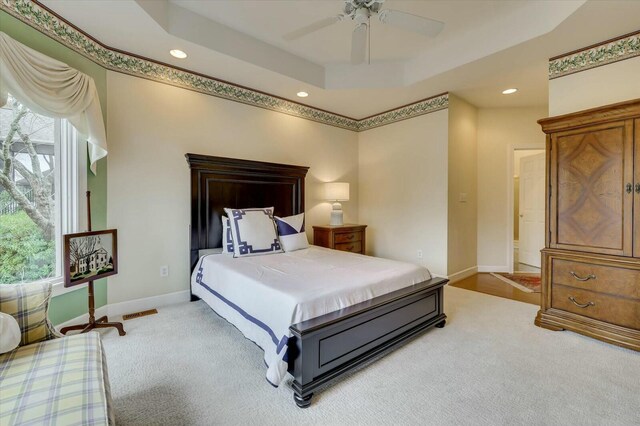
(102, 322)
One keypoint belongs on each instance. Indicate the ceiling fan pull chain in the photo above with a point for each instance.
(369, 36)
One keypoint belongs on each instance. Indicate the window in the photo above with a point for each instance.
(42, 175)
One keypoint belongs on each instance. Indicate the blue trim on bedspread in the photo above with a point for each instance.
(279, 344)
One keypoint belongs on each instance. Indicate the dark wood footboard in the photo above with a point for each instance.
(331, 345)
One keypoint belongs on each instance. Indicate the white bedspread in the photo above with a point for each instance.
(263, 295)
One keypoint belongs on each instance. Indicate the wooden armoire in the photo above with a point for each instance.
(591, 260)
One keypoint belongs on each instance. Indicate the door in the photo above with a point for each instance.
(592, 189)
(531, 215)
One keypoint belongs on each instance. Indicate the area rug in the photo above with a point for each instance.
(529, 283)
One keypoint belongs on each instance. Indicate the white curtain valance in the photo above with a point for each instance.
(52, 88)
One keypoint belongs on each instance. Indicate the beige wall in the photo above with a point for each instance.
(406, 178)
(403, 190)
(608, 84)
(499, 131)
(151, 126)
(463, 171)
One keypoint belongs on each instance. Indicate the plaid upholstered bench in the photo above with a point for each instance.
(61, 381)
(49, 379)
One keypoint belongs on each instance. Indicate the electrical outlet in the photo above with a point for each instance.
(419, 254)
(164, 271)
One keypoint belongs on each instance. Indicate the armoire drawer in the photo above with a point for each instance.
(594, 277)
(603, 307)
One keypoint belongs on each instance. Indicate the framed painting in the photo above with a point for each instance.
(89, 256)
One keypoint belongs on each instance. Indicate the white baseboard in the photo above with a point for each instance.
(460, 275)
(131, 306)
(137, 305)
(483, 268)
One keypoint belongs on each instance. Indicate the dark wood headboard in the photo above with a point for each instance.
(219, 182)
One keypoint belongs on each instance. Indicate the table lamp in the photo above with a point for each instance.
(336, 192)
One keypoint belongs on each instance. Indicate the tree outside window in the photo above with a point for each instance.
(28, 206)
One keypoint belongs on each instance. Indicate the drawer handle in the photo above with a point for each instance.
(579, 278)
(350, 237)
(349, 248)
(581, 305)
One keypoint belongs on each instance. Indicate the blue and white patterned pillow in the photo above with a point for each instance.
(291, 232)
(253, 231)
(227, 236)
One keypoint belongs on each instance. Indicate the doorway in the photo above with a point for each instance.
(528, 209)
(525, 236)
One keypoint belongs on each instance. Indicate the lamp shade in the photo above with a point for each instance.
(337, 191)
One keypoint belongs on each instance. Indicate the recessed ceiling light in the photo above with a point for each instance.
(302, 94)
(178, 54)
(509, 91)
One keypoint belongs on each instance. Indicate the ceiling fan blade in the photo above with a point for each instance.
(359, 44)
(409, 22)
(318, 25)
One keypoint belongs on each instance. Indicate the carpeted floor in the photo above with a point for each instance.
(489, 366)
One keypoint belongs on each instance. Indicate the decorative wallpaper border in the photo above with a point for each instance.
(604, 53)
(39, 17)
(422, 107)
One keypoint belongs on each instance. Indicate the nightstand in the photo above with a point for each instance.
(346, 237)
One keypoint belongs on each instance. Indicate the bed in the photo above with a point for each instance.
(317, 313)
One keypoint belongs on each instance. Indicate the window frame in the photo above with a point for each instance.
(71, 186)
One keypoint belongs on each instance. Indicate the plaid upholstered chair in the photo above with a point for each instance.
(49, 378)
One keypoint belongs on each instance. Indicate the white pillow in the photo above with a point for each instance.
(227, 237)
(254, 232)
(10, 334)
(291, 232)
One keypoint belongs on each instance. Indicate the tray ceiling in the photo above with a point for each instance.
(486, 46)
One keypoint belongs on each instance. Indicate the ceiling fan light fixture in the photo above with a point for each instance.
(177, 53)
(360, 12)
(302, 94)
(362, 15)
(509, 91)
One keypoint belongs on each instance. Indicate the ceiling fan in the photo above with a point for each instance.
(360, 12)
